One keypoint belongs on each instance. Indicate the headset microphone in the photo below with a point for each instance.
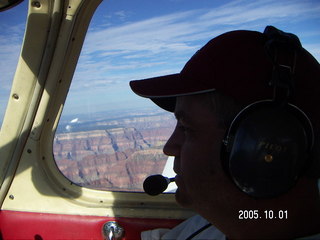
(156, 184)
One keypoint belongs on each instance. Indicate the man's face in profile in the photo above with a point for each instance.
(196, 144)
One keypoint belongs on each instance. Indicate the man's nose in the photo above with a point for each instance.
(173, 145)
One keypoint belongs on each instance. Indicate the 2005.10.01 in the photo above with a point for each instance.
(268, 214)
(281, 214)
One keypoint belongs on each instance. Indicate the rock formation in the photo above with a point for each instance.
(114, 154)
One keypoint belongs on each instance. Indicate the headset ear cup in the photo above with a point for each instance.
(266, 148)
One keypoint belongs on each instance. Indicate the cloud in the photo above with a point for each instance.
(153, 35)
(122, 15)
(242, 11)
(175, 31)
(169, 40)
(10, 42)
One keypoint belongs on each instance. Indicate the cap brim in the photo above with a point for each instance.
(157, 87)
(164, 90)
(166, 103)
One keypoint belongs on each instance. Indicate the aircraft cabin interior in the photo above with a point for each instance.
(76, 144)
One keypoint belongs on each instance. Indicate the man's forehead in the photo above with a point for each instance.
(194, 99)
(190, 106)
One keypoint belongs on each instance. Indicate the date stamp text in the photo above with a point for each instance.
(266, 214)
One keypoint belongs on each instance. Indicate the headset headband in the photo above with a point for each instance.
(282, 48)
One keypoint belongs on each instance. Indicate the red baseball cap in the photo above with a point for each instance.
(235, 64)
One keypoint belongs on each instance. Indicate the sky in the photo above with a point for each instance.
(136, 39)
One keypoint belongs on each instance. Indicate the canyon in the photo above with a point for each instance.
(113, 154)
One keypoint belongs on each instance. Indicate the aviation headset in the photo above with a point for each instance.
(268, 143)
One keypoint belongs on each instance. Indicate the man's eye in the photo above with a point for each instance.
(184, 128)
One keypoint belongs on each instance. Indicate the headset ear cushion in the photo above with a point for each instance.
(267, 148)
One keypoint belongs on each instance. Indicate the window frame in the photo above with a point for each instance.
(32, 169)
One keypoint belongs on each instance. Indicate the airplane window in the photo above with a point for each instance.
(108, 138)
(12, 26)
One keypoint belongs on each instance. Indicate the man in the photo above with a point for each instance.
(251, 175)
